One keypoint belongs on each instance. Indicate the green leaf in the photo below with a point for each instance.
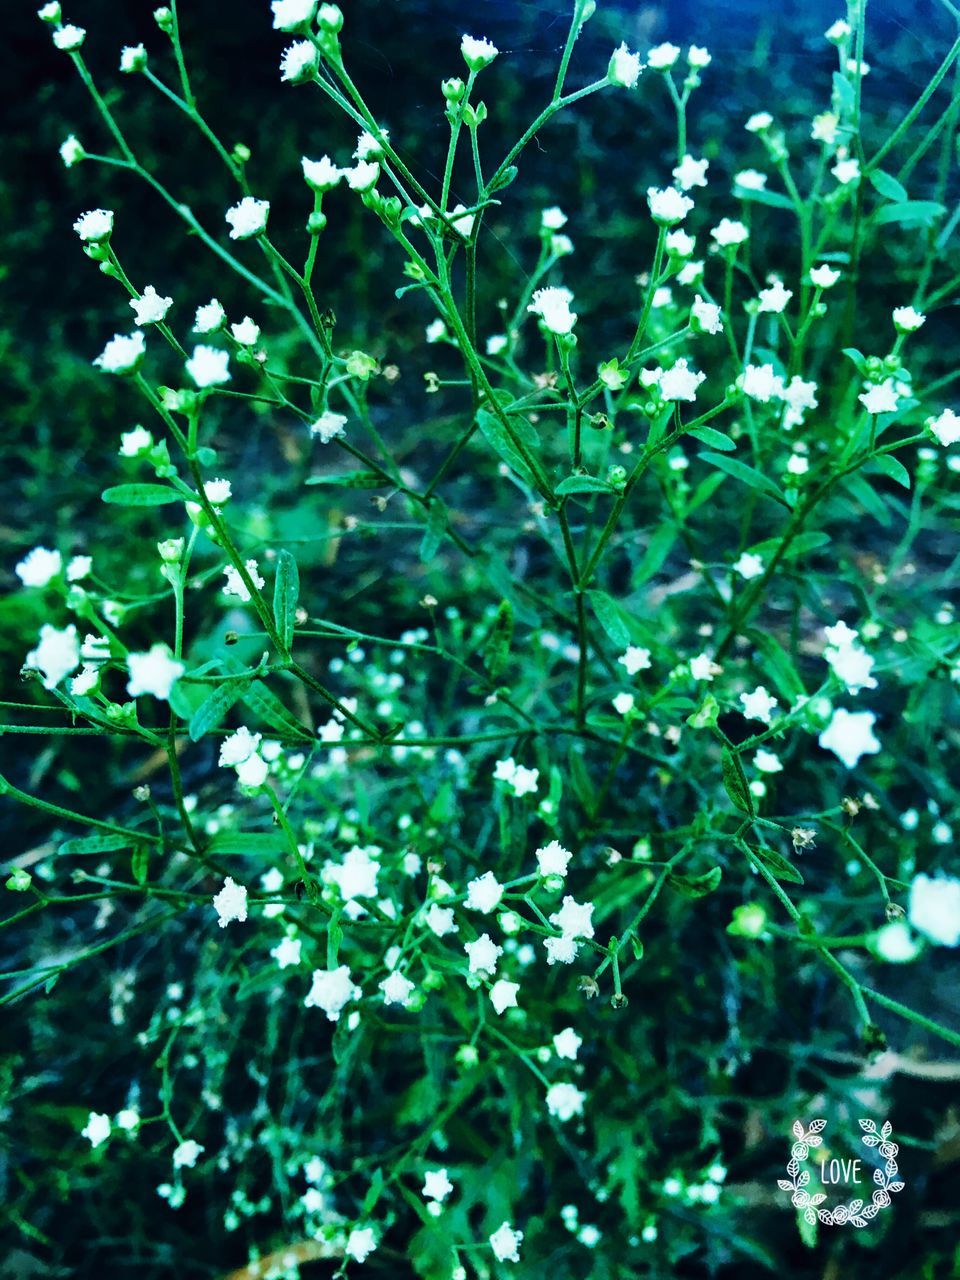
(96, 844)
(497, 438)
(891, 467)
(808, 1230)
(350, 480)
(696, 886)
(141, 495)
(843, 90)
(909, 213)
(286, 593)
(255, 843)
(746, 475)
(716, 439)
(858, 358)
(435, 531)
(888, 186)
(214, 707)
(611, 617)
(800, 545)
(584, 484)
(777, 864)
(869, 499)
(497, 645)
(505, 178)
(735, 782)
(265, 703)
(138, 863)
(778, 665)
(772, 198)
(658, 548)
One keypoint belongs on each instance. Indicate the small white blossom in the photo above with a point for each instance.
(574, 918)
(79, 568)
(749, 565)
(186, 1154)
(246, 332)
(477, 54)
(849, 735)
(97, 1129)
(703, 667)
(505, 1243)
(150, 308)
(553, 859)
(39, 566)
(288, 15)
(698, 57)
(567, 1043)
(552, 305)
(56, 656)
(69, 38)
(328, 426)
(133, 57)
(71, 151)
(298, 62)
(565, 1101)
(729, 232)
(775, 298)
(332, 991)
(235, 586)
(946, 428)
(881, 397)
(668, 206)
(825, 127)
(767, 762)
(680, 243)
(209, 366)
(624, 68)
(287, 952)
(663, 56)
(503, 995)
(483, 954)
(321, 175)
(839, 32)
(153, 672)
(440, 920)
(706, 316)
(680, 382)
(562, 950)
(230, 903)
(634, 659)
(484, 893)
(209, 318)
(758, 122)
(218, 491)
(750, 180)
(691, 173)
(436, 1185)
(361, 1242)
(248, 218)
(123, 353)
(95, 226)
(847, 171)
(908, 319)
(363, 176)
(758, 705)
(760, 382)
(935, 909)
(397, 989)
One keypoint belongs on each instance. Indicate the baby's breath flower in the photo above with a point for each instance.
(624, 68)
(690, 273)
(50, 12)
(691, 173)
(565, 1101)
(56, 656)
(95, 226)
(289, 15)
(248, 218)
(436, 1185)
(79, 568)
(154, 672)
(477, 53)
(680, 382)
(503, 995)
(246, 332)
(849, 735)
(97, 1129)
(749, 565)
(552, 305)
(774, 298)
(235, 586)
(209, 366)
(39, 567)
(703, 667)
(185, 1156)
(69, 38)
(824, 276)
(332, 991)
(758, 705)
(839, 32)
(946, 428)
(209, 318)
(123, 353)
(680, 243)
(361, 1242)
(847, 171)
(935, 909)
(440, 920)
(634, 659)
(71, 151)
(484, 893)
(663, 56)
(322, 175)
(397, 989)
(798, 396)
(705, 316)
(567, 1043)
(553, 859)
(907, 319)
(328, 426)
(483, 954)
(759, 122)
(230, 903)
(750, 180)
(767, 762)
(881, 397)
(150, 308)
(299, 62)
(505, 1243)
(574, 918)
(824, 128)
(729, 232)
(698, 57)
(668, 206)
(363, 176)
(133, 58)
(760, 382)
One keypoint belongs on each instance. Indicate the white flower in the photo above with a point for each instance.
(798, 396)
(750, 180)
(328, 426)
(436, 331)
(553, 859)
(767, 762)
(69, 38)
(128, 1119)
(565, 1101)
(248, 218)
(758, 705)
(477, 54)
(634, 659)
(185, 1155)
(847, 172)
(758, 122)
(706, 316)
(567, 1043)
(698, 57)
(881, 397)
(775, 298)
(946, 428)
(691, 173)
(703, 667)
(209, 366)
(252, 772)
(680, 382)
(552, 305)
(840, 635)
(97, 1129)
(369, 147)
(209, 318)
(123, 353)
(895, 943)
(760, 382)
(153, 672)
(361, 1242)
(71, 151)
(849, 735)
(680, 243)
(150, 308)
(574, 918)
(935, 909)
(503, 995)
(440, 920)
(839, 32)
(287, 952)
(798, 464)
(230, 903)
(246, 332)
(462, 225)
(483, 954)
(505, 1243)
(95, 226)
(850, 663)
(690, 273)
(79, 568)
(522, 780)
(235, 586)
(624, 67)
(436, 1185)
(50, 12)
(668, 206)
(288, 15)
(133, 57)
(825, 128)
(662, 56)
(322, 175)
(496, 343)
(908, 319)
(729, 232)
(85, 682)
(397, 989)
(363, 176)
(623, 703)
(217, 491)
(298, 62)
(356, 876)
(484, 893)
(332, 990)
(239, 746)
(39, 566)
(749, 565)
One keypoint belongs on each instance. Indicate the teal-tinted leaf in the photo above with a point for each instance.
(715, 439)
(909, 213)
(777, 864)
(858, 358)
(746, 475)
(505, 178)
(773, 198)
(778, 666)
(350, 480)
(869, 499)
(658, 548)
(611, 617)
(96, 844)
(584, 484)
(265, 703)
(214, 707)
(435, 531)
(141, 495)
(843, 92)
(696, 886)
(286, 593)
(735, 782)
(893, 468)
(497, 438)
(888, 186)
(255, 843)
(138, 863)
(801, 544)
(497, 645)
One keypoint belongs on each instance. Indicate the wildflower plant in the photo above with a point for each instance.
(513, 763)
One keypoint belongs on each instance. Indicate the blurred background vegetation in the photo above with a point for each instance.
(62, 420)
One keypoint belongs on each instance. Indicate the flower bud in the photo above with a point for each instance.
(475, 116)
(50, 13)
(316, 222)
(163, 17)
(330, 19)
(453, 89)
(20, 880)
(171, 550)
